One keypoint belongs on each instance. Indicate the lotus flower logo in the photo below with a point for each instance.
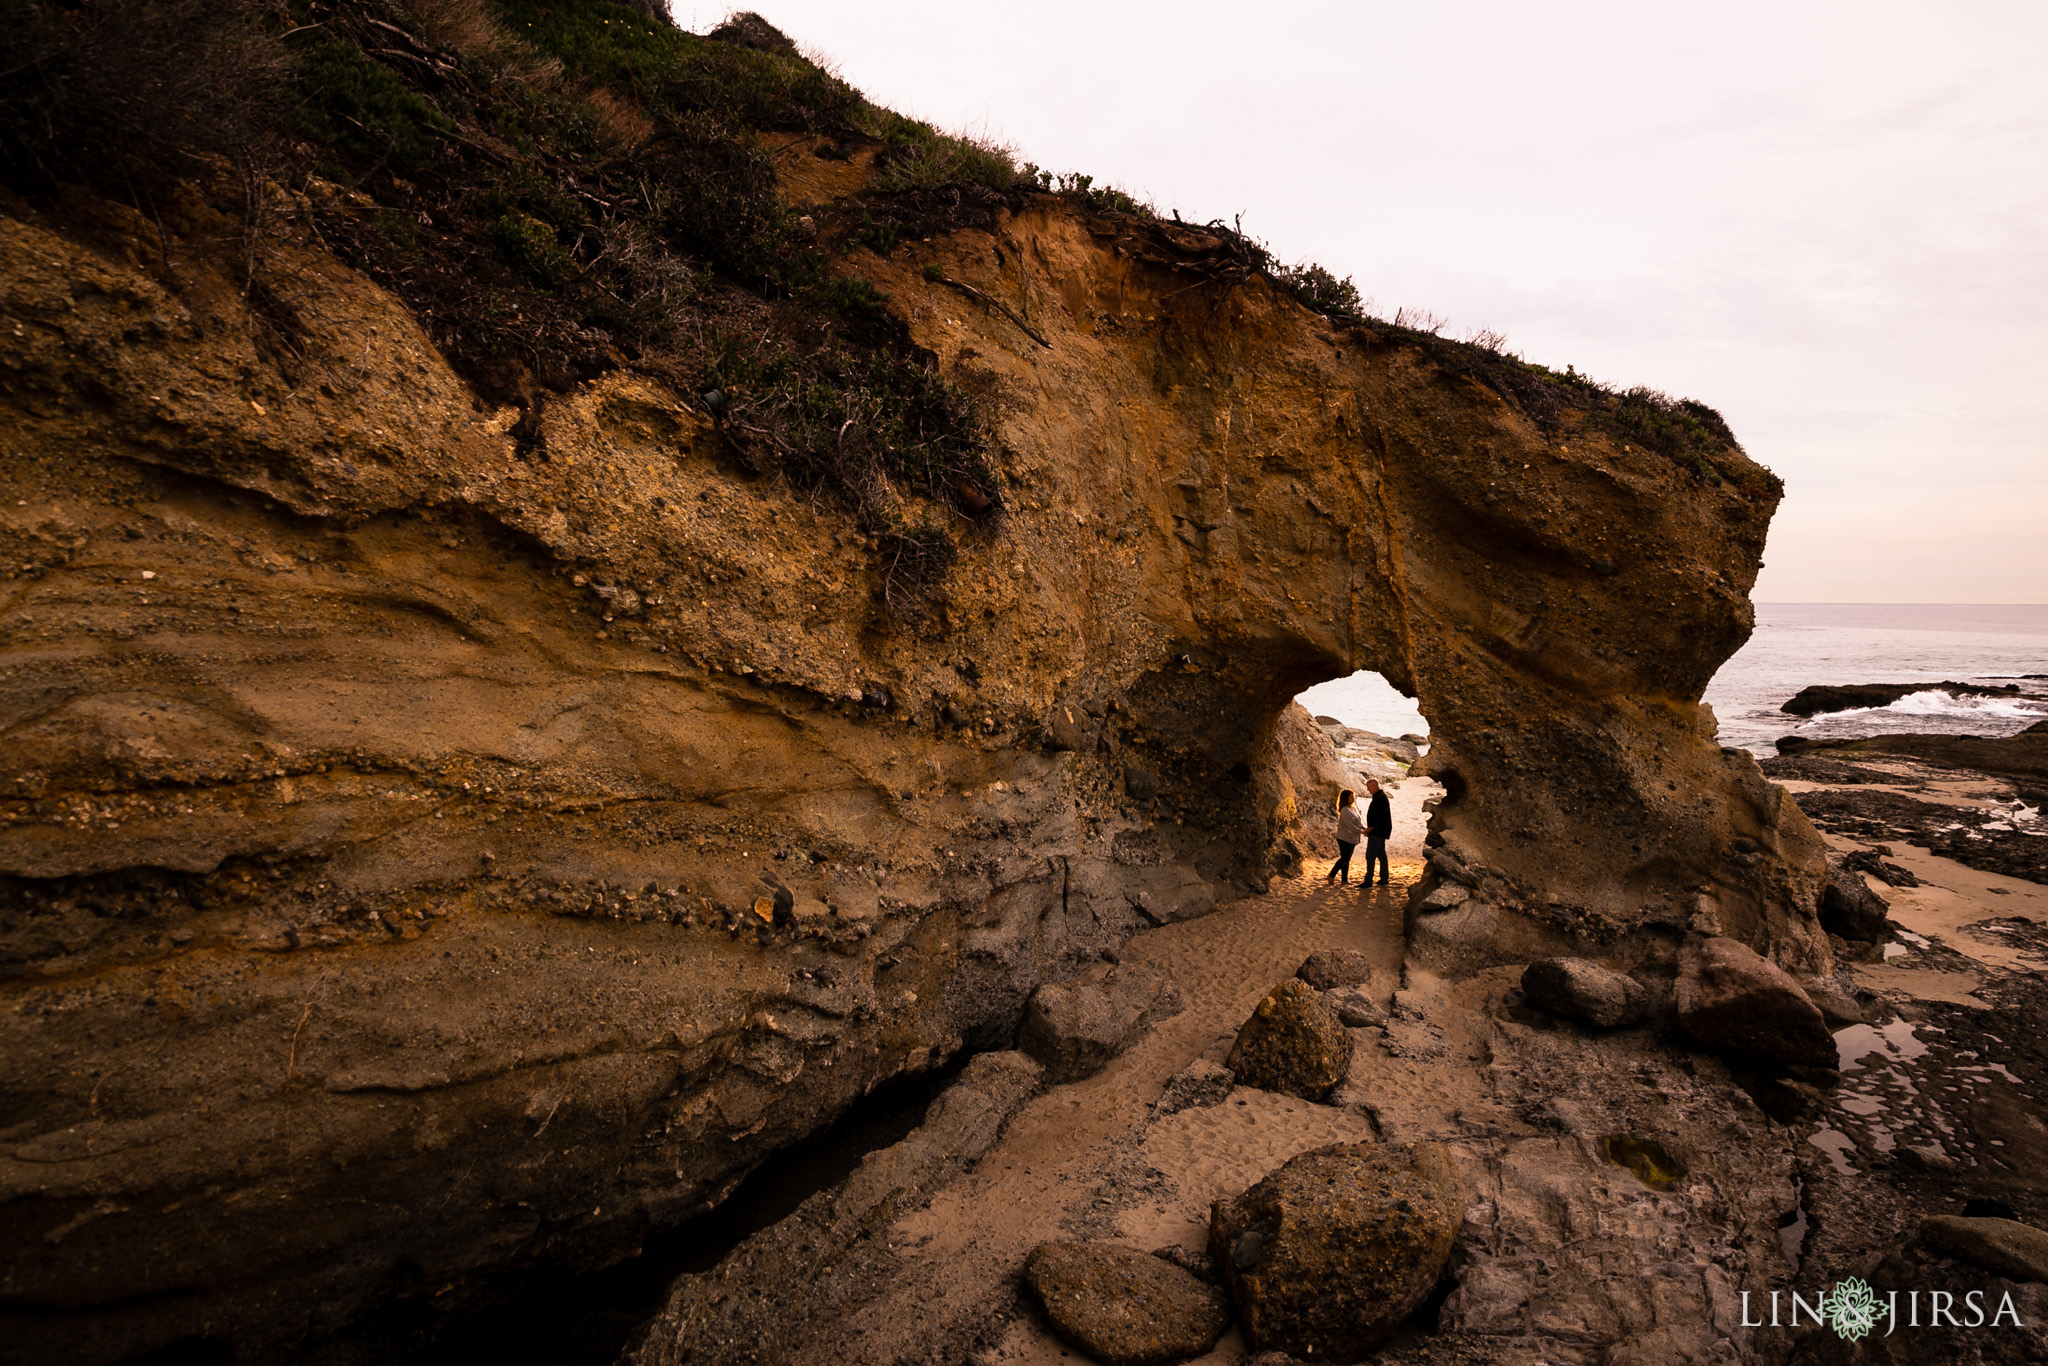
(1852, 1309)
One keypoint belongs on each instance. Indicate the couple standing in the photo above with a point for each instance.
(1377, 824)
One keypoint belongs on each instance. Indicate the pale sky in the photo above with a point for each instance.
(1830, 221)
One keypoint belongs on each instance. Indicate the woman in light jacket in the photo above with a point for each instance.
(1350, 829)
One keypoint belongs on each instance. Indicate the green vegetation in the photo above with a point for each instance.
(359, 108)
(561, 187)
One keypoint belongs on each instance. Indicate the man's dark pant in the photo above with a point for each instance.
(1375, 849)
(1342, 870)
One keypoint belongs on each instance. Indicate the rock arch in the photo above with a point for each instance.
(386, 797)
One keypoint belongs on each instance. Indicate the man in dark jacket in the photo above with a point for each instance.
(1379, 823)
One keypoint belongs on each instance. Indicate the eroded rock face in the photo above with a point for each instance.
(1327, 1255)
(425, 854)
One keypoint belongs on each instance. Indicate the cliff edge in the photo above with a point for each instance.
(453, 821)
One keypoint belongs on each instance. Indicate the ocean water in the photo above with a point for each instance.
(1798, 643)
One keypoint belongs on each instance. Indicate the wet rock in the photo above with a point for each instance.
(1075, 1028)
(1292, 1043)
(1849, 908)
(1200, 1083)
(1355, 1009)
(1328, 968)
(1124, 1307)
(1582, 990)
(1325, 1257)
(1731, 998)
(2005, 1246)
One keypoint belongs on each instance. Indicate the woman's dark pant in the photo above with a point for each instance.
(1375, 852)
(1343, 868)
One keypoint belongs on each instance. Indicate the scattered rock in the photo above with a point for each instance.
(1292, 1043)
(1870, 861)
(1448, 897)
(1582, 990)
(1729, 997)
(1354, 1008)
(1075, 1028)
(1124, 1307)
(1849, 908)
(2005, 1246)
(1836, 1005)
(1200, 1083)
(1328, 968)
(1325, 1257)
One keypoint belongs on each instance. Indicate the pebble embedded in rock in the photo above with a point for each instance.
(1292, 1043)
(1325, 1257)
(1582, 990)
(1124, 1307)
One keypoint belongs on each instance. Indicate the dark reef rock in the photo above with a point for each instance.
(1849, 908)
(1822, 697)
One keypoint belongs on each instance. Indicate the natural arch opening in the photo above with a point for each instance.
(1362, 728)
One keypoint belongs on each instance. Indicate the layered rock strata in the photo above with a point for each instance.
(434, 840)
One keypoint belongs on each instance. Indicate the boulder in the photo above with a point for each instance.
(1292, 1043)
(1355, 1009)
(1582, 990)
(2005, 1246)
(1075, 1028)
(1835, 1004)
(1328, 968)
(1849, 908)
(1124, 1307)
(1325, 1257)
(1731, 998)
(1201, 1082)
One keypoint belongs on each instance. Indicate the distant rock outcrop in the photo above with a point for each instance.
(1819, 698)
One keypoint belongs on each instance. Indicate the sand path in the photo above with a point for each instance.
(1081, 1159)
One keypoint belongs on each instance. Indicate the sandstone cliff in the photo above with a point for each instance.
(391, 777)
